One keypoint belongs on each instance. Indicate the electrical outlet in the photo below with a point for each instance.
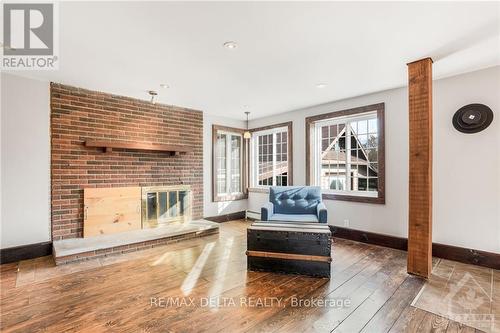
(346, 223)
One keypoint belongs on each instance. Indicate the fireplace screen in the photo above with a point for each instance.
(165, 204)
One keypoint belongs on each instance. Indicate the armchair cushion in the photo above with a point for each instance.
(295, 199)
(294, 204)
(294, 217)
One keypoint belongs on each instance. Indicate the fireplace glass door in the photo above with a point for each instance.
(165, 204)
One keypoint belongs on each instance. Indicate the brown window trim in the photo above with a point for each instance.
(380, 108)
(289, 125)
(244, 181)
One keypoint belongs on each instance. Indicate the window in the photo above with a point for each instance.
(228, 155)
(271, 160)
(346, 154)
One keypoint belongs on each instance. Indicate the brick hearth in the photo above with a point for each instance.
(80, 249)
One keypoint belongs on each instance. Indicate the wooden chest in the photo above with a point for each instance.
(297, 248)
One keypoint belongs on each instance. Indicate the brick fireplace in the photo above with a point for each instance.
(78, 115)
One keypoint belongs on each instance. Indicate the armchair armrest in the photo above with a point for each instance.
(322, 213)
(266, 211)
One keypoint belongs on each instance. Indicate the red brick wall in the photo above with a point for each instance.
(79, 114)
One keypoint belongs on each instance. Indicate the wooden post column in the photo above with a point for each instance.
(420, 173)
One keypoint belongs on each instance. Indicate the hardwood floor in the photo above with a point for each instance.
(131, 293)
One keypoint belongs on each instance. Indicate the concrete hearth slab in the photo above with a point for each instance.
(75, 246)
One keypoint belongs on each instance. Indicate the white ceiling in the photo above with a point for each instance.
(284, 49)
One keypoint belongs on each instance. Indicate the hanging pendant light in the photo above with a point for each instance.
(153, 95)
(247, 135)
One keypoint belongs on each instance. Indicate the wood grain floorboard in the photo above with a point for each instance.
(409, 320)
(433, 323)
(116, 296)
(390, 311)
(352, 266)
(8, 275)
(387, 282)
(454, 327)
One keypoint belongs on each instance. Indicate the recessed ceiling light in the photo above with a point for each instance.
(164, 86)
(230, 45)
(321, 85)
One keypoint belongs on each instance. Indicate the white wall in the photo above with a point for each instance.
(466, 179)
(466, 167)
(25, 174)
(223, 207)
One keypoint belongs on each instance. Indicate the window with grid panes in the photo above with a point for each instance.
(346, 154)
(228, 165)
(270, 160)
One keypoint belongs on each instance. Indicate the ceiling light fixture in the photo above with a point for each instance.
(230, 45)
(321, 85)
(247, 135)
(164, 86)
(153, 95)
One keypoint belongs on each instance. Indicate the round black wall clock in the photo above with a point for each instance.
(472, 118)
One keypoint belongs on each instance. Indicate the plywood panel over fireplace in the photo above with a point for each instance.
(79, 115)
(111, 210)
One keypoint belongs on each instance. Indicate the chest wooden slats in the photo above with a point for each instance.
(297, 248)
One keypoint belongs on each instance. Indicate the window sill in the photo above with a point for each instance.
(233, 197)
(258, 190)
(354, 198)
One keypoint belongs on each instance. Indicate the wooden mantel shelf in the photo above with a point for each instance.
(108, 146)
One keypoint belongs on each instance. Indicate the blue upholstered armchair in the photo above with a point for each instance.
(294, 204)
